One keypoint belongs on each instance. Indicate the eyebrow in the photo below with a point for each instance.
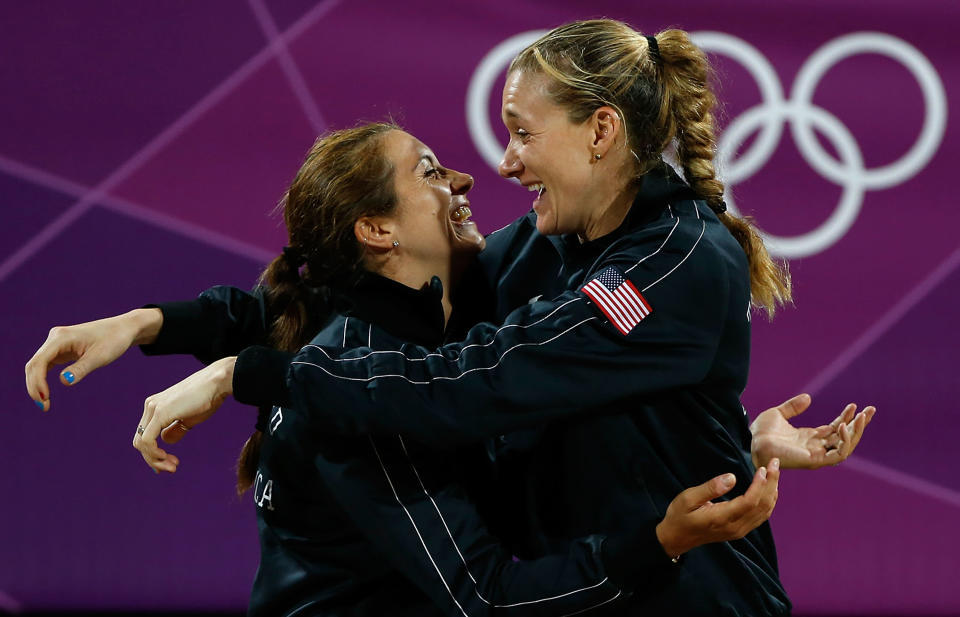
(423, 157)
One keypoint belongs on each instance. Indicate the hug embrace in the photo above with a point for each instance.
(545, 420)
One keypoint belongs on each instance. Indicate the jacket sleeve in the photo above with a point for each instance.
(435, 537)
(220, 322)
(548, 360)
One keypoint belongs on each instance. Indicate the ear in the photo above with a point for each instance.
(606, 126)
(375, 232)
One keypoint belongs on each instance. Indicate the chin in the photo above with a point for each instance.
(547, 226)
(469, 246)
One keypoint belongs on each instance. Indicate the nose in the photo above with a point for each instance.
(510, 165)
(460, 183)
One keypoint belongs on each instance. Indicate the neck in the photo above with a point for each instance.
(604, 219)
(418, 276)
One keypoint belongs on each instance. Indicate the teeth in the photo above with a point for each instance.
(461, 214)
(536, 187)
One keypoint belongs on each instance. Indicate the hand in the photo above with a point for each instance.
(693, 519)
(88, 346)
(179, 408)
(806, 448)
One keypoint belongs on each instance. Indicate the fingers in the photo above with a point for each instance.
(795, 406)
(145, 439)
(175, 432)
(63, 344)
(73, 374)
(851, 434)
(39, 365)
(848, 436)
(845, 416)
(695, 497)
(747, 512)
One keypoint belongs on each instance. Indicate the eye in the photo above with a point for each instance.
(434, 172)
(522, 134)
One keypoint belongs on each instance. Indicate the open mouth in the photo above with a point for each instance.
(539, 188)
(461, 215)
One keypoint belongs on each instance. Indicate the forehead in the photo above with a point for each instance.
(526, 93)
(405, 150)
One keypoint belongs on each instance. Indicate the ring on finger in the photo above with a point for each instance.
(140, 429)
(183, 427)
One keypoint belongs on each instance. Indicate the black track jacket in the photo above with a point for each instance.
(638, 388)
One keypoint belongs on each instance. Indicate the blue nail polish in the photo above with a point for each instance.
(38, 404)
(155, 470)
(68, 376)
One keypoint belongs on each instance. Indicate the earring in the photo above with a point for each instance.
(395, 244)
(596, 156)
(364, 240)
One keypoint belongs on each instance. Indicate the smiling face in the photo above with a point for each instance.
(432, 221)
(549, 154)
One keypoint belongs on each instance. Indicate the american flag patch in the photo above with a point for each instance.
(617, 298)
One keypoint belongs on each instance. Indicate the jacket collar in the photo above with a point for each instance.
(414, 315)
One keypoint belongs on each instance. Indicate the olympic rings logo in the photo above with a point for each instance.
(769, 118)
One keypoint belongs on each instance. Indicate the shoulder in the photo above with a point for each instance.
(502, 239)
(678, 246)
(504, 244)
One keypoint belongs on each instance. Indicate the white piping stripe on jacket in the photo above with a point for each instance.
(703, 228)
(397, 497)
(433, 355)
(467, 372)
(592, 607)
(665, 240)
(466, 567)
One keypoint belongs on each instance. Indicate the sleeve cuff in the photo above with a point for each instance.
(182, 330)
(634, 558)
(260, 377)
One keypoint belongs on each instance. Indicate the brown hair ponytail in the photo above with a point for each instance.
(345, 176)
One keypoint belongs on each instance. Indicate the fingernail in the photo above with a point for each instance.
(155, 470)
(68, 376)
(38, 404)
(775, 464)
(763, 473)
(728, 480)
(43, 396)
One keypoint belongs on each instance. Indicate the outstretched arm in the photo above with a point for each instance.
(219, 323)
(86, 347)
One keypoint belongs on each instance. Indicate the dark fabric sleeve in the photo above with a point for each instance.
(548, 360)
(632, 558)
(259, 377)
(436, 538)
(220, 322)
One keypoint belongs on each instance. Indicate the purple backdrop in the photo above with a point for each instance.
(144, 145)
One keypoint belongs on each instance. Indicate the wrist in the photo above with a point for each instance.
(223, 375)
(669, 542)
(146, 325)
